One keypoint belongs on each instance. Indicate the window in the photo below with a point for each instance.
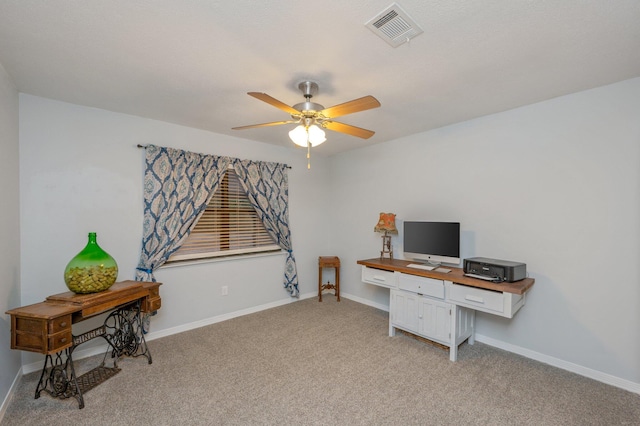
(229, 226)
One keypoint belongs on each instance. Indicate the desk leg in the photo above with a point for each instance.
(58, 378)
(320, 284)
(472, 338)
(126, 333)
(453, 347)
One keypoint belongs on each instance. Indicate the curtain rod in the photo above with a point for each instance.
(145, 147)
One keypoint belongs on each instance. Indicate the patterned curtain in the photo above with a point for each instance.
(267, 187)
(177, 187)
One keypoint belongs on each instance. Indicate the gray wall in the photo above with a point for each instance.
(81, 166)
(9, 229)
(554, 185)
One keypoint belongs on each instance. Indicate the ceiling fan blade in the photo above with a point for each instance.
(356, 105)
(274, 102)
(273, 123)
(348, 129)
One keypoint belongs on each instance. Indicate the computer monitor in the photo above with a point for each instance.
(433, 242)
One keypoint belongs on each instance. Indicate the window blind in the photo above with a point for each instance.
(228, 226)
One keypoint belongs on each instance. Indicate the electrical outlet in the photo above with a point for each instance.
(225, 290)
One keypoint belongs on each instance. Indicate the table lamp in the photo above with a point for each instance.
(386, 224)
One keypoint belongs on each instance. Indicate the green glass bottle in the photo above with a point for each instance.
(92, 270)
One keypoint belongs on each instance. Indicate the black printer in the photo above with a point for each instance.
(494, 269)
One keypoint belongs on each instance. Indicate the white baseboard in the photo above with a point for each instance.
(96, 350)
(231, 315)
(556, 362)
(565, 365)
(365, 301)
(537, 356)
(100, 349)
(224, 317)
(9, 396)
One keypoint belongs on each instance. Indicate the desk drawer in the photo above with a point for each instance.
(30, 325)
(422, 285)
(379, 277)
(477, 298)
(60, 341)
(154, 292)
(151, 304)
(59, 324)
(26, 341)
(31, 334)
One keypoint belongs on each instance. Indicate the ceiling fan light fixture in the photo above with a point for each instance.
(313, 134)
(316, 135)
(299, 135)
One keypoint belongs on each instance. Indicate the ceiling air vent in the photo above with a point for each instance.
(394, 26)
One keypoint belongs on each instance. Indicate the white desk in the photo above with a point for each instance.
(441, 306)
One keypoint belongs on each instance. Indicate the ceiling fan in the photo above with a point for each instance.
(312, 117)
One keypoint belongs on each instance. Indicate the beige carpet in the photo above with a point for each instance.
(329, 363)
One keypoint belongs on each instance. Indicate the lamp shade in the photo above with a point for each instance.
(386, 223)
(301, 134)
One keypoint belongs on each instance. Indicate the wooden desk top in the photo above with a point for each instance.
(83, 306)
(46, 327)
(456, 275)
(92, 304)
(43, 311)
(113, 292)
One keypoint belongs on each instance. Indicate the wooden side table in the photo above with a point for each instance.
(46, 328)
(328, 262)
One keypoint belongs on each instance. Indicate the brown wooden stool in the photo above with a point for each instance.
(328, 262)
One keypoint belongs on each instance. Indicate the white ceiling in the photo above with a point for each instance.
(191, 62)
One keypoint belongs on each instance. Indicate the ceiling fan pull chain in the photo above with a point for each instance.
(308, 154)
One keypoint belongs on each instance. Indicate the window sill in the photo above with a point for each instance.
(222, 259)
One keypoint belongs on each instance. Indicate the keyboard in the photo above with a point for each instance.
(421, 266)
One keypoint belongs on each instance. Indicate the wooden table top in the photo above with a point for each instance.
(83, 306)
(456, 275)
